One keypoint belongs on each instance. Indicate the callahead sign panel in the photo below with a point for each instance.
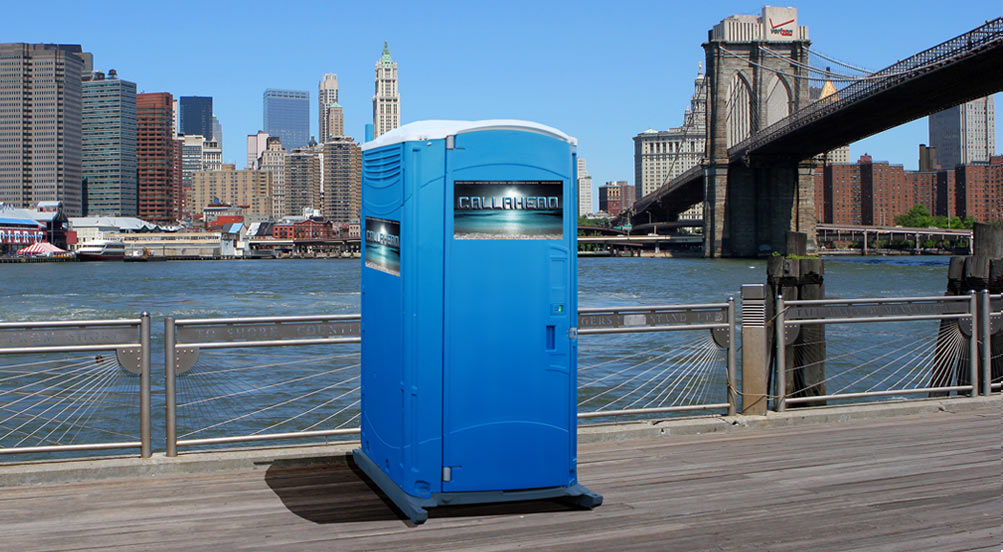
(508, 210)
(780, 24)
(383, 245)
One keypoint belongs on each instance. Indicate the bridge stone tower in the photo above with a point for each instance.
(756, 77)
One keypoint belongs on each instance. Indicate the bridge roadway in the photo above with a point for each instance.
(922, 481)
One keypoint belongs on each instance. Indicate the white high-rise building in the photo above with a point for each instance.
(660, 156)
(584, 189)
(273, 160)
(965, 133)
(386, 100)
(174, 116)
(256, 144)
(212, 156)
(329, 112)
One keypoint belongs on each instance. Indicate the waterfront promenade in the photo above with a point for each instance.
(926, 478)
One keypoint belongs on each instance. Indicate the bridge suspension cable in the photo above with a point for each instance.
(826, 75)
(838, 62)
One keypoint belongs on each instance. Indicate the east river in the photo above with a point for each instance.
(274, 390)
(197, 289)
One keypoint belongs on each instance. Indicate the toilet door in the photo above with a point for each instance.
(507, 397)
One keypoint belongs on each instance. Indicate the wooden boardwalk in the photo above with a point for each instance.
(921, 482)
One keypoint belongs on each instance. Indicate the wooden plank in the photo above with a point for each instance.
(919, 482)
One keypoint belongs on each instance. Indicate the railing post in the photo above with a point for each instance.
(755, 350)
(146, 445)
(732, 361)
(170, 391)
(780, 359)
(985, 327)
(973, 344)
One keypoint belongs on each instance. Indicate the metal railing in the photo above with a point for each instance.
(226, 380)
(984, 36)
(62, 405)
(185, 340)
(895, 365)
(682, 376)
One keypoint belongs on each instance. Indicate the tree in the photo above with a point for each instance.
(917, 217)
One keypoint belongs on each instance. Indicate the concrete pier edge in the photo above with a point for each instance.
(91, 469)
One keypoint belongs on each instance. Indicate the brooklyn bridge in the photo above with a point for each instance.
(756, 180)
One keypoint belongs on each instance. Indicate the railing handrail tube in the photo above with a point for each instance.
(643, 308)
(69, 323)
(66, 348)
(862, 394)
(655, 410)
(643, 329)
(895, 318)
(264, 319)
(880, 300)
(71, 448)
(268, 437)
(269, 343)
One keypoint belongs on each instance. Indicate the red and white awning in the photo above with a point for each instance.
(39, 248)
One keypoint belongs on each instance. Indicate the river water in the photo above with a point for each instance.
(272, 390)
(194, 289)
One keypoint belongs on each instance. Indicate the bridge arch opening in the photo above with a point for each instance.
(778, 99)
(739, 109)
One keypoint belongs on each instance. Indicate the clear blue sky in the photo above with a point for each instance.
(600, 71)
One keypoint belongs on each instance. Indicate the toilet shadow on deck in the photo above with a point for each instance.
(334, 490)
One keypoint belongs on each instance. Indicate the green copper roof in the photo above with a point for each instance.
(386, 54)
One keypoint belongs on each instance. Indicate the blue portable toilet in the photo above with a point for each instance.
(469, 308)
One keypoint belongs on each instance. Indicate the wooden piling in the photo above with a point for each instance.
(795, 277)
(809, 348)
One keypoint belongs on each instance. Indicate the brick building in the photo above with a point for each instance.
(874, 193)
(303, 230)
(158, 159)
(616, 197)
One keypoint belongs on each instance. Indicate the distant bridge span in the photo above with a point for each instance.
(757, 189)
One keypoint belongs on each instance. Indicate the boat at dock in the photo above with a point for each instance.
(102, 250)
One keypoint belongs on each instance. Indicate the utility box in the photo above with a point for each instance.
(469, 308)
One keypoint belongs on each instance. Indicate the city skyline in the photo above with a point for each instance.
(501, 78)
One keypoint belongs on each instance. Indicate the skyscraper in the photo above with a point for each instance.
(191, 163)
(330, 117)
(287, 116)
(304, 180)
(342, 180)
(40, 124)
(273, 160)
(217, 132)
(584, 189)
(156, 164)
(108, 163)
(196, 115)
(965, 133)
(386, 100)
